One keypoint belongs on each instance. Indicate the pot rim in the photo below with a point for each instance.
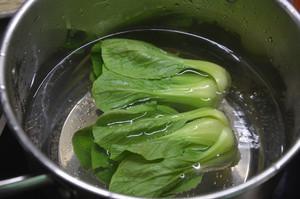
(29, 146)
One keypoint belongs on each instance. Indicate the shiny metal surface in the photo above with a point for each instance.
(267, 41)
(2, 116)
(21, 183)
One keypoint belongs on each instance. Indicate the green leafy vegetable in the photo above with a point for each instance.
(83, 142)
(139, 59)
(142, 145)
(112, 90)
(126, 127)
(134, 70)
(92, 156)
(156, 147)
(97, 61)
(152, 166)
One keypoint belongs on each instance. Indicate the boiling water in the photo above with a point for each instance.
(63, 104)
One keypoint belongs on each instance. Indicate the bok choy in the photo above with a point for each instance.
(160, 129)
(133, 71)
(155, 151)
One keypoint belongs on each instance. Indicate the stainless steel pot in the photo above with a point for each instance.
(264, 33)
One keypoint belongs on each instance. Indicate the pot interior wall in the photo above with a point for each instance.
(257, 32)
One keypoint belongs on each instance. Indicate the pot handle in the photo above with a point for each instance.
(24, 183)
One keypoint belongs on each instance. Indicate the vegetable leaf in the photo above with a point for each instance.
(139, 177)
(99, 157)
(198, 136)
(187, 183)
(105, 174)
(83, 142)
(112, 90)
(142, 123)
(96, 60)
(138, 59)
